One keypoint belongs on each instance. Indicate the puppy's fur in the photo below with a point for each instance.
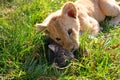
(63, 26)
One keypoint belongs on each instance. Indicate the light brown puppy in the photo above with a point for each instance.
(63, 26)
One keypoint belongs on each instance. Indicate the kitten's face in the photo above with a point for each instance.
(61, 55)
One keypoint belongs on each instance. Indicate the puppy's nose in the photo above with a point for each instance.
(71, 56)
(73, 49)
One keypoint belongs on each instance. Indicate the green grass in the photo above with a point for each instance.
(22, 48)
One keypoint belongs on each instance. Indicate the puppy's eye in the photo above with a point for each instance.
(69, 31)
(58, 39)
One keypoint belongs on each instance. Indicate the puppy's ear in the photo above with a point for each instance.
(42, 27)
(118, 3)
(52, 47)
(69, 9)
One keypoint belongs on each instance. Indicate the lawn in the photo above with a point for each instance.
(22, 48)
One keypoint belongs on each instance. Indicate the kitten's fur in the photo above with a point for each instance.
(57, 54)
(61, 56)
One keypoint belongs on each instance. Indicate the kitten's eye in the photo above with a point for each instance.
(69, 31)
(58, 39)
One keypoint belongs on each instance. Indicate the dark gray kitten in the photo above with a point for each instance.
(59, 55)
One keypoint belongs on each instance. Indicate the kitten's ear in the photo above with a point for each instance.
(52, 47)
(69, 9)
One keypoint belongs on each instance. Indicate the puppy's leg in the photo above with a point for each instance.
(111, 8)
(91, 25)
(95, 27)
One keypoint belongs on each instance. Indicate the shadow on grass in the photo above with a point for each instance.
(107, 27)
